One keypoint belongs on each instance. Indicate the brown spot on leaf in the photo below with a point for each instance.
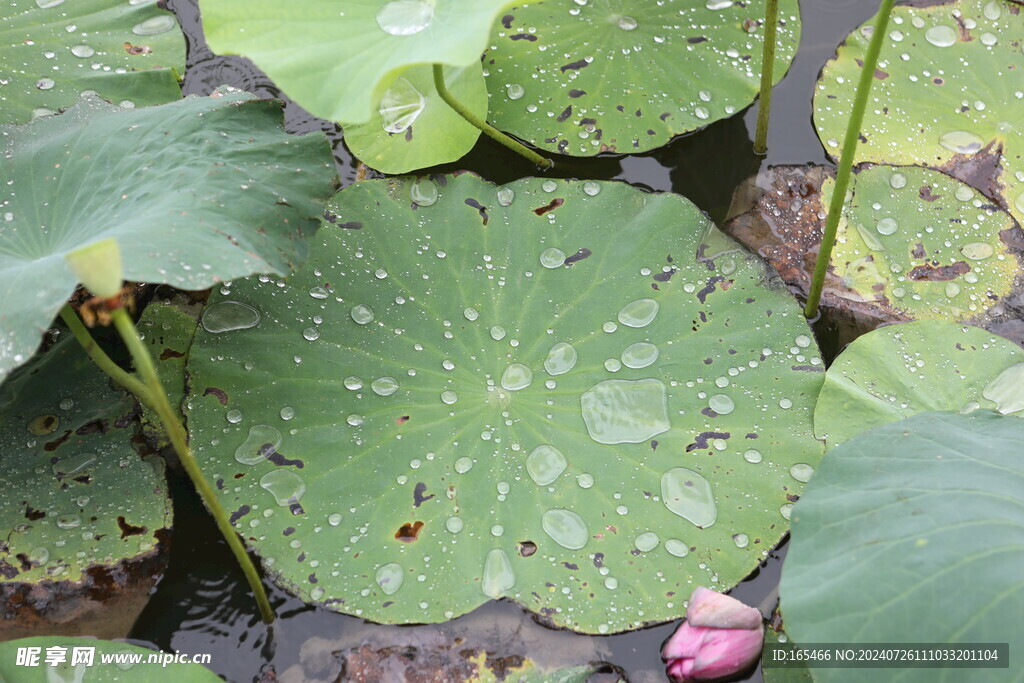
(220, 395)
(170, 353)
(417, 495)
(137, 49)
(409, 532)
(578, 256)
(526, 548)
(481, 209)
(550, 206)
(926, 194)
(524, 36)
(580, 64)
(129, 529)
(938, 273)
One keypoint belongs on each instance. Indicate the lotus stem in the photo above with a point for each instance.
(151, 392)
(482, 125)
(764, 102)
(845, 161)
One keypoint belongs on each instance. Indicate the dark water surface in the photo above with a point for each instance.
(202, 605)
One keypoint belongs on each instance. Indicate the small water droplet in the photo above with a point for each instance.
(552, 258)
(753, 455)
(228, 316)
(311, 333)
(161, 23)
(286, 486)
(611, 583)
(549, 186)
(545, 464)
(591, 188)
(389, 577)
(613, 365)
(741, 540)
(318, 292)
(515, 91)
(801, 472)
(353, 383)
(424, 192)
(898, 181)
(400, 106)
(362, 314)
(647, 541)
(384, 386)
(961, 141)
(47, 4)
(69, 521)
(448, 397)
(334, 519)
(498, 333)
(639, 355)
(506, 195)
(689, 495)
(355, 420)
(498, 576)
(405, 17)
(718, 4)
(585, 480)
(471, 314)
(233, 416)
(516, 376)
(638, 313)
(463, 464)
(941, 35)
(676, 548)
(627, 23)
(565, 528)
(262, 442)
(625, 411)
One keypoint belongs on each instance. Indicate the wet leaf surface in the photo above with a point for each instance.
(911, 533)
(901, 370)
(227, 194)
(531, 391)
(603, 76)
(128, 53)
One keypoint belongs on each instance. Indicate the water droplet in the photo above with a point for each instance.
(964, 193)
(334, 519)
(721, 404)
(38, 556)
(976, 251)
(647, 541)
(515, 91)
(318, 292)
(552, 258)
(497, 530)
(516, 376)
(549, 186)
(545, 464)
(992, 10)
(638, 313)
(380, 274)
(741, 540)
(41, 425)
(233, 416)
(161, 23)
(389, 577)
(311, 333)
(561, 359)
(355, 420)
(454, 524)
(471, 314)
(82, 51)
(611, 583)
(952, 289)
(1019, 202)
(286, 486)
(405, 17)
(803, 341)
(72, 465)
(68, 521)
(887, 226)
(353, 383)
(585, 480)
(463, 465)
(625, 411)
(961, 141)
(591, 188)
(718, 4)
(424, 192)
(785, 404)
(227, 316)
(1007, 390)
(786, 510)
(400, 106)
(676, 548)
(362, 314)
(505, 196)
(498, 576)
(639, 355)
(47, 4)
(609, 326)
(689, 495)
(498, 333)
(627, 23)
(801, 472)
(565, 528)
(753, 455)
(262, 442)
(449, 397)
(66, 404)
(384, 386)
(941, 35)
(898, 181)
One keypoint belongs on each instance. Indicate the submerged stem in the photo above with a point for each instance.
(845, 162)
(764, 102)
(151, 392)
(482, 125)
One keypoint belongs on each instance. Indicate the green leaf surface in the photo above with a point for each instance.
(913, 532)
(120, 668)
(195, 192)
(792, 673)
(339, 62)
(74, 492)
(533, 392)
(924, 244)
(948, 93)
(610, 76)
(897, 371)
(414, 128)
(51, 51)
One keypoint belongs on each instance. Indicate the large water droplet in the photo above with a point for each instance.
(515, 91)
(689, 495)
(676, 548)
(753, 455)
(498, 333)
(625, 411)
(262, 442)
(39, 556)
(498, 575)
(448, 397)
(801, 472)
(1007, 390)
(941, 35)
(362, 314)
(72, 465)
(454, 524)
(552, 258)
(887, 226)
(286, 486)
(154, 25)
(976, 251)
(647, 541)
(516, 376)
(400, 106)
(545, 464)
(46, 4)
(506, 195)
(718, 4)
(389, 578)
(627, 23)
(384, 386)
(311, 333)
(227, 316)
(638, 313)
(471, 314)
(565, 528)
(721, 404)
(463, 464)
(405, 17)
(82, 51)
(639, 355)
(561, 359)
(424, 192)
(591, 188)
(961, 142)
(318, 292)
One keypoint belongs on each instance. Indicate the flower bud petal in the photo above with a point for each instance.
(708, 608)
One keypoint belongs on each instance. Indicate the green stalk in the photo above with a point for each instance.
(482, 125)
(152, 393)
(845, 162)
(764, 102)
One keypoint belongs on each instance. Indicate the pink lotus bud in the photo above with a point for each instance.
(720, 637)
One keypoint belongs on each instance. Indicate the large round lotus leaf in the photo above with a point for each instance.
(108, 661)
(948, 93)
(901, 370)
(338, 62)
(73, 492)
(414, 128)
(51, 51)
(606, 76)
(912, 533)
(533, 392)
(923, 244)
(197, 191)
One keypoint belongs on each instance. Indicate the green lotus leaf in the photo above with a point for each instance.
(608, 76)
(948, 93)
(789, 670)
(129, 53)
(900, 370)
(924, 244)
(75, 493)
(414, 128)
(531, 391)
(338, 63)
(229, 193)
(912, 533)
(127, 663)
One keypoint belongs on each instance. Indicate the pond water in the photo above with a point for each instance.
(202, 604)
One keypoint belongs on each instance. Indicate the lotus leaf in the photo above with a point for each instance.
(532, 391)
